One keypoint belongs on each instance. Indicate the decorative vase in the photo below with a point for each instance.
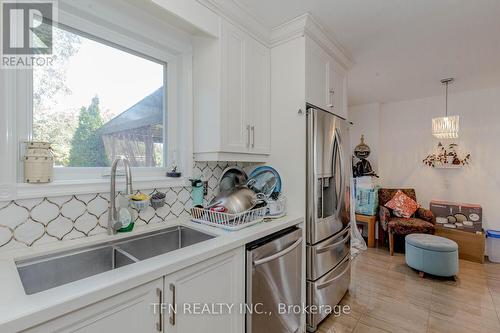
(38, 162)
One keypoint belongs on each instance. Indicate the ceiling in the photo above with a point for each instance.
(402, 48)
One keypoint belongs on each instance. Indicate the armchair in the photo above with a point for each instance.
(422, 221)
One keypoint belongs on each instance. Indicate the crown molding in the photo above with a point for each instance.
(306, 25)
(236, 13)
(303, 25)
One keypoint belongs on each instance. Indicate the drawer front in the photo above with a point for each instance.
(324, 256)
(328, 290)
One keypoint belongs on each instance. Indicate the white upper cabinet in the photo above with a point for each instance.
(339, 90)
(236, 125)
(258, 101)
(326, 80)
(235, 117)
(317, 76)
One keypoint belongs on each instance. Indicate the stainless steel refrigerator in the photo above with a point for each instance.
(327, 211)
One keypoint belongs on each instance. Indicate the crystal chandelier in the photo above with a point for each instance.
(446, 127)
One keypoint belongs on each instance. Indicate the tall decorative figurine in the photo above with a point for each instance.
(363, 167)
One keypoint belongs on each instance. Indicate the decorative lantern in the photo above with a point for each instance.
(38, 162)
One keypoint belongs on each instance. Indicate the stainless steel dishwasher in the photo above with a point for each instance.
(274, 282)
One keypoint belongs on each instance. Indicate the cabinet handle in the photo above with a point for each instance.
(332, 93)
(248, 136)
(172, 316)
(253, 136)
(159, 324)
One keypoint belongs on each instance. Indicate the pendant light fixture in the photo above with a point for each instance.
(446, 127)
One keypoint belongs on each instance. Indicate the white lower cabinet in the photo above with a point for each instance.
(202, 293)
(131, 311)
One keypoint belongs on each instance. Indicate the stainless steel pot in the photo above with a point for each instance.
(236, 201)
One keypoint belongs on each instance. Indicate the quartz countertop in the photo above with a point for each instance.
(19, 311)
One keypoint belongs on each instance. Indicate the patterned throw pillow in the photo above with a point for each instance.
(402, 205)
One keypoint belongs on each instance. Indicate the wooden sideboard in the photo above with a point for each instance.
(470, 245)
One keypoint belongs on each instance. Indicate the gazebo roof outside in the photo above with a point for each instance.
(137, 132)
(146, 112)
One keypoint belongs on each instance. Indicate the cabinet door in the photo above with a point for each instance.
(215, 283)
(130, 312)
(259, 97)
(317, 75)
(339, 89)
(235, 126)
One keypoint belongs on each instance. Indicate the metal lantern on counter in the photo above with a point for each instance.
(38, 162)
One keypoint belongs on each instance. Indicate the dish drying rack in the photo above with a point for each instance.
(228, 221)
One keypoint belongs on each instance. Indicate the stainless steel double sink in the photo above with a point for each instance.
(49, 271)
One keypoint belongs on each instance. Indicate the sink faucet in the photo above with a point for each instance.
(113, 223)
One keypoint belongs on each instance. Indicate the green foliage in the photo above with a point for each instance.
(49, 82)
(87, 148)
(58, 129)
(49, 85)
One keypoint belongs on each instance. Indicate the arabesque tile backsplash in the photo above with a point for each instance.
(31, 222)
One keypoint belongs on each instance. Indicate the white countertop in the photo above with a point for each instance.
(19, 311)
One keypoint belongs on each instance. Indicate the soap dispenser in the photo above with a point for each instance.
(124, 215)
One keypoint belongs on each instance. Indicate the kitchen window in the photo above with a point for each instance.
(121, 85)
(99, 101)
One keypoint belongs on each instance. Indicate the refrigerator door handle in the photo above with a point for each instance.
(329, 282)
(332, 246)
(312, 195)
(342, 170)
(278, 254)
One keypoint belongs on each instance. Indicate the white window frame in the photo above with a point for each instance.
(139, 39)
(78, 173)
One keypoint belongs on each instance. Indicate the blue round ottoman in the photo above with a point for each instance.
(431, 254)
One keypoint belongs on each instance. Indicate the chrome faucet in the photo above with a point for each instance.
(113, 223)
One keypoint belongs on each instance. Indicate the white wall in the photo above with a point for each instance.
(366, 121)
(405, 139)
(288, 128)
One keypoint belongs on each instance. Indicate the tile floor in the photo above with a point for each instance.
(388, 296)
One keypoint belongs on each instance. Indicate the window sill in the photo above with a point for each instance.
(73, 187)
